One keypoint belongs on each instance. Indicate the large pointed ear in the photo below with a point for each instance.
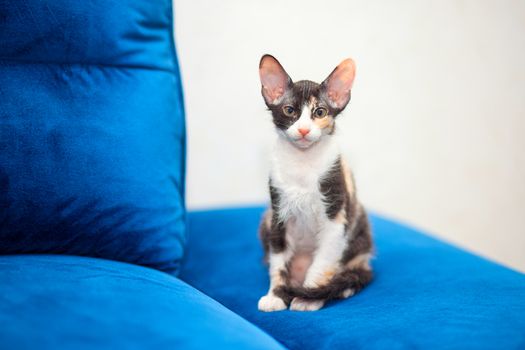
(274, 79)
(338, 84)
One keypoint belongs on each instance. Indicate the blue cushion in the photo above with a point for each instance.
(91, 131)
(426, 294)
(67, 302)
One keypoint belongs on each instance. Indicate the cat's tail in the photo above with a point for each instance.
(342, 285)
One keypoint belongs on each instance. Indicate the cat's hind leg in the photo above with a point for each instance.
(300, 304)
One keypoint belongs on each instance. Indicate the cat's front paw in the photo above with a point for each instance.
(299, 304)
(270, 302)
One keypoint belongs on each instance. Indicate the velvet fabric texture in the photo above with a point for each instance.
(68, 302)
(92, 135)
(426, 294)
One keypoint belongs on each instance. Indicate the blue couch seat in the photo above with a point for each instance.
(68, 302)
(426, 294)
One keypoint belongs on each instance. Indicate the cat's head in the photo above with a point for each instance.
(304, 112)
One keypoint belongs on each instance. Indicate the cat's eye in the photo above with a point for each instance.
(289, 111)
(320, 112)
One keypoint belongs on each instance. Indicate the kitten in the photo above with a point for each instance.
(316, 235)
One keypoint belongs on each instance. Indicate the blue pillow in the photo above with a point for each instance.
(92, 134)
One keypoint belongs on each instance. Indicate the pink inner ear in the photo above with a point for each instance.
(273, 86)
(339, 83)
(273, 79)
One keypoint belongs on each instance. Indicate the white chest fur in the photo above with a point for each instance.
(297, 174)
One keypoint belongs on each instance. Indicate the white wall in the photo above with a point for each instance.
(435, 131)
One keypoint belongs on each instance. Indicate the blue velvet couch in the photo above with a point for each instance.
(98, 252)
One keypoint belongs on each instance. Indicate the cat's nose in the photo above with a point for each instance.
(303, 131)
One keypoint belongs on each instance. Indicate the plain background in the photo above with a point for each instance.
(435, 129)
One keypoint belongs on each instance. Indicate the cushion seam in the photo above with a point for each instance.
(5, 61)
